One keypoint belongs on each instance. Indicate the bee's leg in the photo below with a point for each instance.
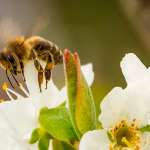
(9, 79)
(49, 65)
(40, 73)
(22, 70)
(48, 68)
(38, 68)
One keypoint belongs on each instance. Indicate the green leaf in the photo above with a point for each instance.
(81, 102)
(37, 134)
(145, 128)
(34, 136)
(58, 145)
(63, 104)
(43, 143)
(56, 122)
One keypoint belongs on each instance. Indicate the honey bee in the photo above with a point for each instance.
(20, 50)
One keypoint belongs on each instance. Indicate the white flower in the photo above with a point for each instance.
(19, 117)
(124, 112)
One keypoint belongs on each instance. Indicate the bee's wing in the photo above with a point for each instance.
(8, 30)
(40, 25)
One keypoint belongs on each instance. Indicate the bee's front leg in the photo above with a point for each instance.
(9, 79)
(22, 70)
(40, 72)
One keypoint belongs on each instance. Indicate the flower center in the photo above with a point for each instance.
(125, 135)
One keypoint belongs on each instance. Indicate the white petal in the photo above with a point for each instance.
(50, 145)
(113, 108)
(138, 104)
(13, 142)
(133, 69)
(10, 143)
(94, 140)
(49, 97)
(20, 116)
(146, 141)
(31, 76)
(63, 93)
(5, 126)
(130, 103)
(133, 101)
(62, 97)
(88, 73)
(16, 121)
(52, 95)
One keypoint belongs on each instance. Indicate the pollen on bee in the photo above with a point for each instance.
(5, 86)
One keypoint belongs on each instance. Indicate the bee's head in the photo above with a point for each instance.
(15, 43)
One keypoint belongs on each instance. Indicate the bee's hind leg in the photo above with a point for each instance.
(38, 68)
(48, 68)
(49, 65)
(40, 73)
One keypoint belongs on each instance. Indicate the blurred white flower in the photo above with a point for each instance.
(124, 112)
(19, 117)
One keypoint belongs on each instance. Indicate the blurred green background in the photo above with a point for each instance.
(99, 30)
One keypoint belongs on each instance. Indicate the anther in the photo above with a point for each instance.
(4, 86)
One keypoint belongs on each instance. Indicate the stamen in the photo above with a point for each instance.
(124, 135)
(5, 88)
(126, 142)
(9, 92)
(9, 95)
(15, 93)
(23, 89)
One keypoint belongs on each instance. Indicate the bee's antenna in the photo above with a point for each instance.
(9, 79)
(15, 79)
